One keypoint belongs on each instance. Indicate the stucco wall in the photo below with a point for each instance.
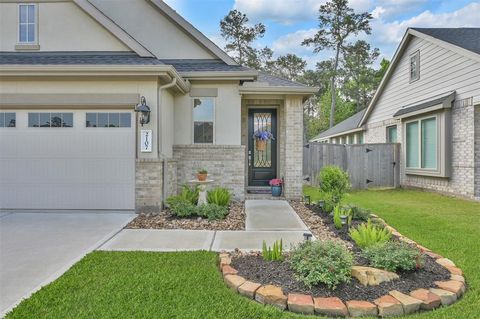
(62, 26)
(227, 115)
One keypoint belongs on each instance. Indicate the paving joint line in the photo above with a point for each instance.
(213, 240)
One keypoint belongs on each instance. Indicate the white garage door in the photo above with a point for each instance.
(64, 159)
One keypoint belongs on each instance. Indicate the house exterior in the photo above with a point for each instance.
(429, 101)
(72, 74)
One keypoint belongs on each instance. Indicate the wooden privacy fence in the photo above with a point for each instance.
(369, 165)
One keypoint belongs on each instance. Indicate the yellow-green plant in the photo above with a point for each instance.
(220, 196)
(273, 253)
(368, 234)
(337, 211)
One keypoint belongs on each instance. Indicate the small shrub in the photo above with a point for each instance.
(337, 211)
(190, 193)
(202, 171)
(393, 256)
(219, 196)
(359, 213)
(368, 234)
(274, 253)
(212, 211)
(334, 182)
(316, 262)
(181, 207)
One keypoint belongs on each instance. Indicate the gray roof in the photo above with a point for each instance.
(348, 124)
(423, 105)
(202, 65)
(273, 80)
(73, 58)
(467, 38)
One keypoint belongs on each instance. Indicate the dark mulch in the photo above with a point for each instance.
(254, 268)
(235, 220)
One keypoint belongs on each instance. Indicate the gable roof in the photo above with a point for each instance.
(349, 124)
(441, 36)
(192, 31)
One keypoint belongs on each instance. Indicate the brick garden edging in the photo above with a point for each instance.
(393, 304)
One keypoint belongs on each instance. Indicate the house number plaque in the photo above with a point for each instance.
(146, 141)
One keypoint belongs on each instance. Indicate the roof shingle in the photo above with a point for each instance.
(467, 38)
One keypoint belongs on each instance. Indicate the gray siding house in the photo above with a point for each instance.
(429, 101)
(72, 75)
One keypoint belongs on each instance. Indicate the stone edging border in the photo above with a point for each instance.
(393, 304)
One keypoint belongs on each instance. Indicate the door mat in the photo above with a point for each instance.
(259, 191)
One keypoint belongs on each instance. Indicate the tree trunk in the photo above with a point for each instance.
(334, 95)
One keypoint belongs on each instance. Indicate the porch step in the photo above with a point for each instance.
(263, 196)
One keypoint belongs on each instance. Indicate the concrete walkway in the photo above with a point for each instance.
(267, 220)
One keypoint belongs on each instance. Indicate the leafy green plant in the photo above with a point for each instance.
(273, 253)
(202, 171)
(334, 182)
(219, 196)
(337, 211)
(368, 234)
(359, 213)
(190, 194)
(321, 262)
(393, 256)
(181, 207)
(212, 211)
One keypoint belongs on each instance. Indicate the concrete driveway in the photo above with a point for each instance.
(38, 247)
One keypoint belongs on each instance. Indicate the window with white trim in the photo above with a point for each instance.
(392, 134)
(7, 119)
(203, 119)
(415, 66)
(50, 119)
(108, 120)
(421, 144)
(27, 23)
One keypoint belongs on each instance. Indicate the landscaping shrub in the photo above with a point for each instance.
(337, 211)
(334, 182)
(212, 211)
(190, 194)
(219, 196)
(394, 256)
(181, 207)
(368, 234)
(273, 253)
(316, 262)
(359, 213)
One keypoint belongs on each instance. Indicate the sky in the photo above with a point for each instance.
(288, 22)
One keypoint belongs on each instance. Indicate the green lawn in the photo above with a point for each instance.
(189, 285)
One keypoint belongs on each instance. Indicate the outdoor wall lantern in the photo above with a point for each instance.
(144, 111)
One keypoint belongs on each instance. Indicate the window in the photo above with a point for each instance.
(7, 119)
(360, 138)
(50, 119)
(421, 144)
(108, 120)
(415, 66)
(350, 139)
(27, 24)
(203, 119)
(392, 134)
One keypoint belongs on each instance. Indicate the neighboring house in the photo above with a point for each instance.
(429, 101)
(71, 75)
(346, 132)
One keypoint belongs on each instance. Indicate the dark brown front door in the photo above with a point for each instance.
(262, 159)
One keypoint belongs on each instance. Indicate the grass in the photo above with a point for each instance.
(446, 225)
(189, 285)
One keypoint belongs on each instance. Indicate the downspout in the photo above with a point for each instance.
(160, 147)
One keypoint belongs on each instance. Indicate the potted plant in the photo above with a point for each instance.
(202, 174)
(261, 139)
(276, 185)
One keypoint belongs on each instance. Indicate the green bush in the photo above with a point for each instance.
(337, 211)
(273, 253)
(220, 196)
(359, 213)
(368, 234)
(334, 182)
(316, 262)
(393, 256)
(190, 194)
(181, 207)
(212, 211)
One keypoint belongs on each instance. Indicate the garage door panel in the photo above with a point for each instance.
(67, 168)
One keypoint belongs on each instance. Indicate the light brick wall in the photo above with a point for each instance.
(148, 185)
(462, 179)
(225, 165)
(477, 152)
(293, 146)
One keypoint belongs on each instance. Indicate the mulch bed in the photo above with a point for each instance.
(254, 268)
(235, 220)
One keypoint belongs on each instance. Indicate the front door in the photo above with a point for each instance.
(262, 156)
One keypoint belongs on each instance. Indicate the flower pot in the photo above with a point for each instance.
(276, 191)
(202, 177)
(261, 145)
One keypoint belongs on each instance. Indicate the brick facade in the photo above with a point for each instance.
(148, 185)
(477, 151)
(463, 162)
(225, 165)
(293, 147)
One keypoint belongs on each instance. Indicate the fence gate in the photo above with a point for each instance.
(369, 165)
